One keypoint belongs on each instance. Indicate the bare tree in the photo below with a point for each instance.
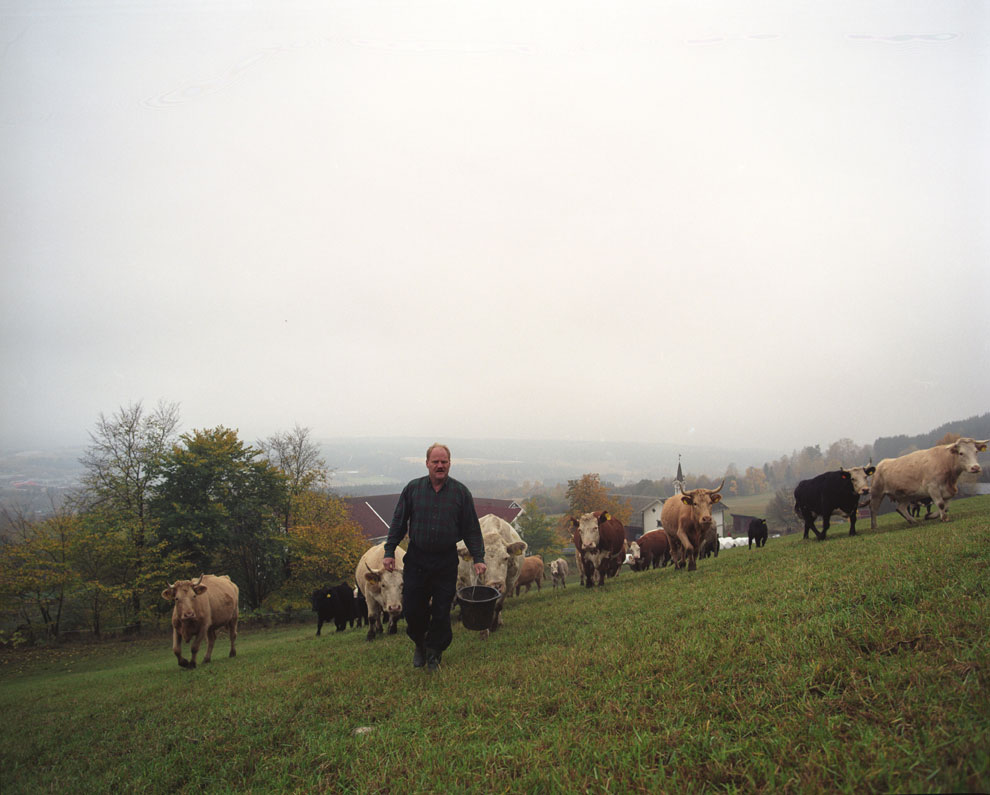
(121, 465)
(298, 457)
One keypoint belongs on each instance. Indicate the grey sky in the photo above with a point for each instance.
(689, 222)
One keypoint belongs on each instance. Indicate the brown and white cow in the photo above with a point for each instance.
(930, 473)
(501, 562)
(558, 572)
(382, 589)
(201, 608)
(600, 542)
(685, 517)
(531, 572)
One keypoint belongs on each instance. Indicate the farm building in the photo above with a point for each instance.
(374, 514)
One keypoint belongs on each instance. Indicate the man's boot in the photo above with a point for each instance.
(432, 661)
(419, 656)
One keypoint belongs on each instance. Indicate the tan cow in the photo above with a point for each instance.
(382, 589)
(201, 608)
(930, 473)
(501, 564)
(531, 572)
(685, 518)
(558, 572)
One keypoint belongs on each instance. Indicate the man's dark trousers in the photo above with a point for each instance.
(426, 576)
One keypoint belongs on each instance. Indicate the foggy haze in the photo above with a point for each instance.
(752, 227)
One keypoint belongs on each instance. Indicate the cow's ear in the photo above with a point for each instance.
(372, 576)
(980, 447)
(870, 470)
(844, 475)
(464, 553)
(686, 500)
(169, 593)
(517, 548)
(716, 497)
(199, 589)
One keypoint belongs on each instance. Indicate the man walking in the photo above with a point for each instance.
(437, 512)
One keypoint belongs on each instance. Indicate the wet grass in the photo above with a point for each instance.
(854, 665)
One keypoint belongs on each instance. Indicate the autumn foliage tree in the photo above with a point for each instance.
(587, 494)
(325, 545)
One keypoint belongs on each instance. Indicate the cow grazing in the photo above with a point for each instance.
(930, 474)
(382, 589)
(758, 532)
(201, 608)
(654, 550)
(501, 560)
(558, 572)
(686, 517)
(633, 555)
(531, 572)
(334, 603)
(602, 541)
(829, 492)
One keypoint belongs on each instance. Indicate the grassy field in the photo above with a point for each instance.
(854, 665)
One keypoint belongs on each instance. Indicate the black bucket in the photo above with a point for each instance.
(478, 606)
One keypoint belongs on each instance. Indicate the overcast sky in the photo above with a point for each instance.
(715, 222)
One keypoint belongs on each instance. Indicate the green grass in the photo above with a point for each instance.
(852, 665)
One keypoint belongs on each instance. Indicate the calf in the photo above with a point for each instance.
(201, 608)
(531, 572)
(930, 474)
(758, 532)
(829, 492)
(558, 572)
(334, 603)
(686, 517)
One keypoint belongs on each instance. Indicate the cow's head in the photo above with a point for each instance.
(184, 593)
(502, 561)
(701, 501)
(634, 551)
(857, 478)
(385, 587)
(587, 527)
(967, 449)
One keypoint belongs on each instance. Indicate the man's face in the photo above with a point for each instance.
(438, 465)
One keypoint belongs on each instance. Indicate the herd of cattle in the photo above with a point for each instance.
(687, 532)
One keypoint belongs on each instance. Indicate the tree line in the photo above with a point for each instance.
(156, 505)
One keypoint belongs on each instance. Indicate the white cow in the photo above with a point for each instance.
(503, 560)
(930, 473)
(382, 589)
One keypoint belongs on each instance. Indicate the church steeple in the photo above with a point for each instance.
(679, 480)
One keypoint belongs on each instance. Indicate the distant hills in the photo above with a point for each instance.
(492, 467)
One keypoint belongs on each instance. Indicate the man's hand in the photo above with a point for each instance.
(480, 568)
(389, 564)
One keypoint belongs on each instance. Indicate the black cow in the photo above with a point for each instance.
(829, 492)
(758, 532)
(360, 608)
(334, 603)
(915, 508)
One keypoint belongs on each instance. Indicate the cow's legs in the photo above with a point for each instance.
(687, 550)
(902, 509)
(319, 625)
(177, 649)
(211, 637)
(232, 629)
(374, 619)
(939, 501)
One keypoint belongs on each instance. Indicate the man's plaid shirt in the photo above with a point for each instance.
(436, 520)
